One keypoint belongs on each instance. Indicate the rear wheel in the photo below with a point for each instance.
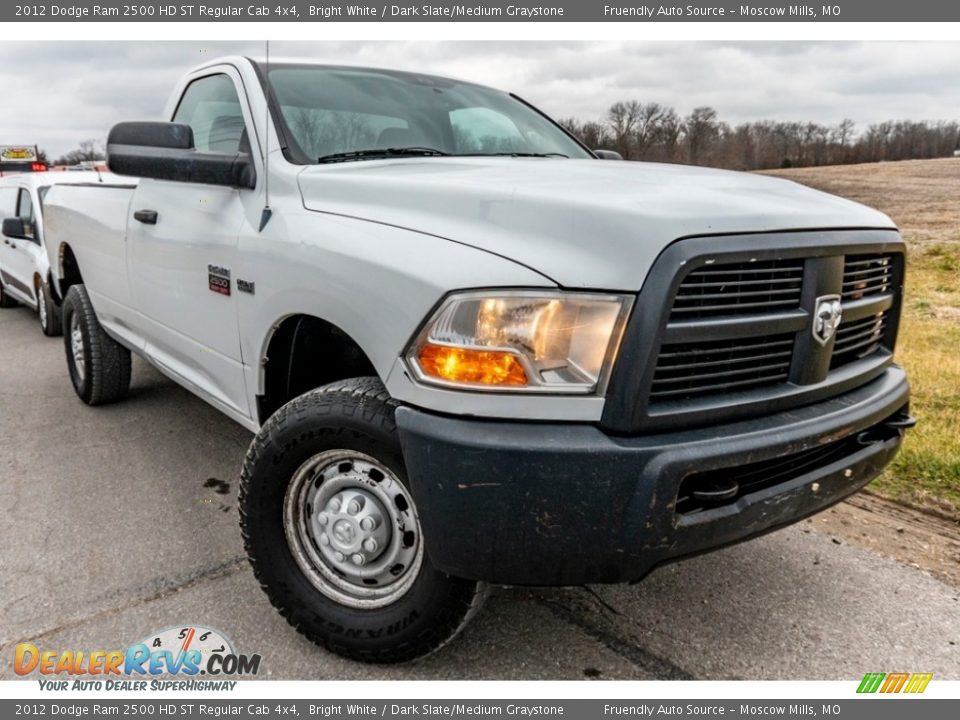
(48, 311)
(332, 531)
(99, 366)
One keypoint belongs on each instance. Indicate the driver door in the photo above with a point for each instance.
(182, 248)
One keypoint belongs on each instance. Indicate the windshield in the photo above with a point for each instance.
(330, 111)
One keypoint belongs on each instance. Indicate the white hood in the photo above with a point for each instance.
(582, 223)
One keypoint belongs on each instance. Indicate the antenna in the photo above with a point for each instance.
(267, 213)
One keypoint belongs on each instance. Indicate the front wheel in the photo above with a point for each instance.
(332, 531)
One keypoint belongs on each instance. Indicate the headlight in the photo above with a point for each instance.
(521, 340)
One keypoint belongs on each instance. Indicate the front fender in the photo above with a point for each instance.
(375, 282)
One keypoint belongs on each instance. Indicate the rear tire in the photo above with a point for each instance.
(332, 533)
(99, 366)
(5, 300)
(48, 311)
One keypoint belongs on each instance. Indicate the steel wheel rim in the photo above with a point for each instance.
(42, 307)
(76, 347)
(330, 512)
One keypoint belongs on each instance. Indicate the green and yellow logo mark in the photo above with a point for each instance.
(894, 682)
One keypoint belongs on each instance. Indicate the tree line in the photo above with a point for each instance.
(650, 131)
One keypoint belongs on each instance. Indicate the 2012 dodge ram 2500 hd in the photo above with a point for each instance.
(472, 351)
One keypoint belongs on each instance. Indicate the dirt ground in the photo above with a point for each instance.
(914, 537)
(923, 528)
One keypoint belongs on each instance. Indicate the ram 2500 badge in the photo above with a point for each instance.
(473, 351)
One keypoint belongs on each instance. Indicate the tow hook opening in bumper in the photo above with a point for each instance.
(902, 420)
(716, 488)
(899, 422)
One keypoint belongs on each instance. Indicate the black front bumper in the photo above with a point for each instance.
(526, 503)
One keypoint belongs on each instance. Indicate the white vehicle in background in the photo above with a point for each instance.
(24, 267)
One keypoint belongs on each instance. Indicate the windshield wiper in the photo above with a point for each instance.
(519, 154)
(375, 153)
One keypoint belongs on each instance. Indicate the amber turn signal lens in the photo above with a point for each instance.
(465, 365)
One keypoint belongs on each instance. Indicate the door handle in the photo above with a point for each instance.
(147, 217)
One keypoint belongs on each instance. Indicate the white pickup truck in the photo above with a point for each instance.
(472, 350)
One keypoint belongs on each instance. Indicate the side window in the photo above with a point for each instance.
(25, 212)
(211, 107)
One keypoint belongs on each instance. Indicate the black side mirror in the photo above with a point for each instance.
(13, 228)
(608, 154)
(166, 151)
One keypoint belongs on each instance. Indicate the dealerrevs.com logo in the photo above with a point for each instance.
(185, 652)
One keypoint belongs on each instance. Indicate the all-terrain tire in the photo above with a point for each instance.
(48, 311)
(99, 366)
(356, 417)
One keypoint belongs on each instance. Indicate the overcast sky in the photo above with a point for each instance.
(59, 93)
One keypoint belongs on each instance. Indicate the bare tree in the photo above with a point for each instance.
(623, 118)
(89, 150)
(649, 117)
(669, 132)
(702, 129)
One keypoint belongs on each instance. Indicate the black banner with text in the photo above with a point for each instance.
(447, 11)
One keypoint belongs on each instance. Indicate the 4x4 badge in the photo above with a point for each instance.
(826, 318)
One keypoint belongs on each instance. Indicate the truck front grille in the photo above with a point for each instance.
(858, 339)
(739, 289)
(867, 275)
(703, 368)
(735, 335)
(752, 358)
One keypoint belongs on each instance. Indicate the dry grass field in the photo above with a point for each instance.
(923, 198)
